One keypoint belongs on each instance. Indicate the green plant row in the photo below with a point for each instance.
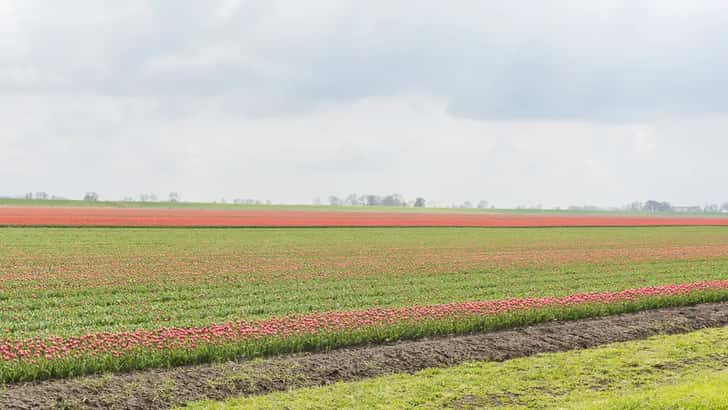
(21, 370)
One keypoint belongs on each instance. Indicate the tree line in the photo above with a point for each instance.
(391, 200)
(653, 206)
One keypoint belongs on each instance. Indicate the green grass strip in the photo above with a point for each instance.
(702, 391)
(681, 372)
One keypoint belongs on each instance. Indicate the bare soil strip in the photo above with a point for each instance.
(163, 388)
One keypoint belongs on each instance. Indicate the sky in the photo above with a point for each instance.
(550, 103)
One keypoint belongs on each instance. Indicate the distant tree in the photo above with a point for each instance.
(655, 206)
(466, 204)
(128, 199)
(420, 202)
(372, 200)
(483, 204)
(173, 197)
(711, 208)
(352, 200)
(724, 207)
(635, 206)
(394, 200)
(41, 195)
(29, 195)
(651, 206)
(91, 196)
(335, 201)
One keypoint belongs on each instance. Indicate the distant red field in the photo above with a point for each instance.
(54, 216)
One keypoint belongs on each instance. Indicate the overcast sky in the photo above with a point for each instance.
(516, 102)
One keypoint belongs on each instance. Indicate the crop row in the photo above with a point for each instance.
(55, 216)
(37, 357)
(67, 282)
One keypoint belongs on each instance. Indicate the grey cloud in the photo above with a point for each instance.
(621, 61)
(558, 102)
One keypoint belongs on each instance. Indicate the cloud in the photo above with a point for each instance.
(572, 60)
(558, 103)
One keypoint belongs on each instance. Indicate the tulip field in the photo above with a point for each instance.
(339, 217)
(92, 300)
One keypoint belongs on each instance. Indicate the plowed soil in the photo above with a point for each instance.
(158, 389)
(58, 216)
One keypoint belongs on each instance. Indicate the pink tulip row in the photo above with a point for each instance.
(117, 343)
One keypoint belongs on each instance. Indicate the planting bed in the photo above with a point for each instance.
(83, 300)
(86, 216)
(159, 389)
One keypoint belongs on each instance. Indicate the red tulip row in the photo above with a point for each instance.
(58, 216)
(117, 343)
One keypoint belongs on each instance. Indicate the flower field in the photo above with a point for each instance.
(89, 300)
(60, 216)
(55, 356)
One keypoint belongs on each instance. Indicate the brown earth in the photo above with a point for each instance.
(163, 388)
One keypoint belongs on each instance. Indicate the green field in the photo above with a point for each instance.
(666, 372)
(74, 281)
(78, 301)
(78, 282)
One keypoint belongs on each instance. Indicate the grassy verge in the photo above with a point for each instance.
(683, 371)
(701, 391)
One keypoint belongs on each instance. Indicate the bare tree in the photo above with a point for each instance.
(420, 202)
(353, 200)
(635, 206)
(394, 200)
(711, 208)
(335, 201)
(655, 206)
(173, 197)
(372, 200)
(91, 196)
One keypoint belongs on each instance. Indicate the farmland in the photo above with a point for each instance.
(337, 217)
(88, 300)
